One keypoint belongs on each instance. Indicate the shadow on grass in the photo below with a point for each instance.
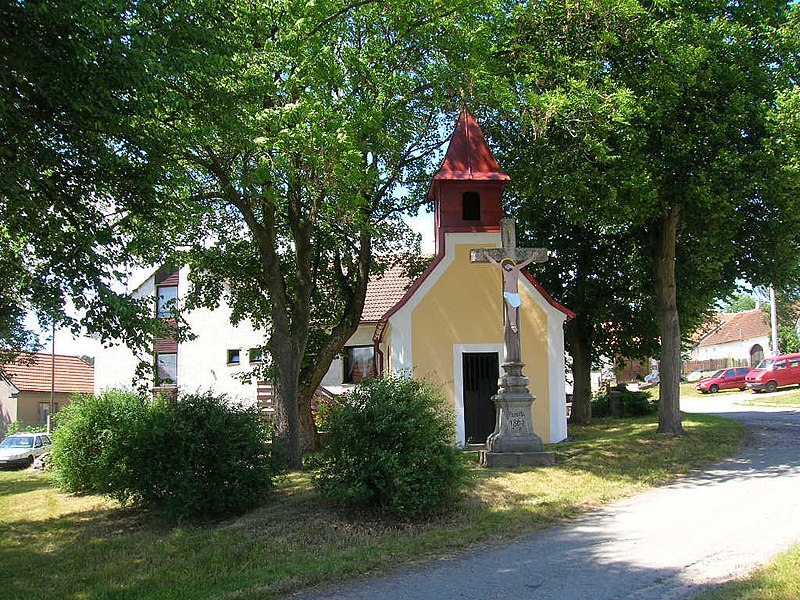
(22, 482)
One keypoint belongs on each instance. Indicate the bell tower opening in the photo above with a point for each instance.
(471, 206)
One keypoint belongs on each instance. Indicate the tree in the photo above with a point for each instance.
(287, 129)
(738, 302)
(665, 126)
(73, 188)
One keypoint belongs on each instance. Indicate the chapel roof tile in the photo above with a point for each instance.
(383, 292)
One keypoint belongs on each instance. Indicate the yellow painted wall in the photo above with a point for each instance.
(465, 306)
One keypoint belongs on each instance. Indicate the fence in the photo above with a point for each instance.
(713, 364)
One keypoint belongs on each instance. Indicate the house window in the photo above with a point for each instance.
(256, 355)
(44, 410)
(471, 206)
(166, 369)
(359, 363)
(166, 305)
(233, 356)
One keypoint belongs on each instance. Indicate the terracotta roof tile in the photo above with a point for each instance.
(733, 327)
(384, 292)
(73, 374)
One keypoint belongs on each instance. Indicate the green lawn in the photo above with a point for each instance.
(56, 545)
(779, 580)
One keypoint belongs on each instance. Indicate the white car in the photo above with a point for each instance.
(20, 449)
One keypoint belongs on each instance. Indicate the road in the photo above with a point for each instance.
(670, 542)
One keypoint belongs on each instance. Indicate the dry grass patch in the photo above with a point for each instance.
(296, 540)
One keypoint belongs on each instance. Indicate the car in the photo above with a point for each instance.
(724, 379)
(20, 449)
(699, 374)
(772, 373)
(650, 380)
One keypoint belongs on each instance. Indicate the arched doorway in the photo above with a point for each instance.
(756, 355)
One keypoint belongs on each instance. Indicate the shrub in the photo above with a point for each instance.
(390, 448)
(87, 435)
(196, 457)
(19, 427)
(632, 404)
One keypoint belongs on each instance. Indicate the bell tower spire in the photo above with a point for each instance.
(468, 187)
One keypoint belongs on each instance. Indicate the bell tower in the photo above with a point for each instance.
(468, 188)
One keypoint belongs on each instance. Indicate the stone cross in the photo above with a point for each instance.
(513, 442)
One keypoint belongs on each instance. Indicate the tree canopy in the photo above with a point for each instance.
(74, 188)
(662, 126)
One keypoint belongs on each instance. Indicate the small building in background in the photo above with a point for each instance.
(26, 384)
(732, 340)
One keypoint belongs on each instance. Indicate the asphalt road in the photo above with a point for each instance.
(670, 542)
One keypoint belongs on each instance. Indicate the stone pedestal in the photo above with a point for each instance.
(514, 443)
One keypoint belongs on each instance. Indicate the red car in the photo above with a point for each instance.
(772, 373)
(724, 379)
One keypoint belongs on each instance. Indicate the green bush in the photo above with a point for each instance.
(196, 457)
(390, 448)
(632, 404)
(19, 427)
(87, 435)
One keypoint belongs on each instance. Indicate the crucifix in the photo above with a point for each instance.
(513, 442)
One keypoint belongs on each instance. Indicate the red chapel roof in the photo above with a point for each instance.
(468, 155)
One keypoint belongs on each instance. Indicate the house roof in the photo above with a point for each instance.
(733, 327)
(384, 292)
(72, 373)
(468, 155)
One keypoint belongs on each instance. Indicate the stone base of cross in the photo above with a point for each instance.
(513, 442)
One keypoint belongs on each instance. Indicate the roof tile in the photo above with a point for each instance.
(733, 327)
(72, 374)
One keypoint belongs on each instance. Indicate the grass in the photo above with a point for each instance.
(783, 397)
(778, 580)
(57, 545)
(788, 396)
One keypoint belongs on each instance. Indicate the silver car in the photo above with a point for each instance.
(20, 449)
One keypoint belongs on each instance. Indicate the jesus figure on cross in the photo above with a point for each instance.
(511, 272)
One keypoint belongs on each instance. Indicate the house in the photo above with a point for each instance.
(26, 385)
(732, 339)
(218, 357)
(446, 325)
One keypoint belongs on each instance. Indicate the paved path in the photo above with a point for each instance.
(670, 542)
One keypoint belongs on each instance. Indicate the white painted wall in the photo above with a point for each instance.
(115, 365)
(202, 362)
(739, 349)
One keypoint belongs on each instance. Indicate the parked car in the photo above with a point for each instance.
(650, 380)
(699, 374)
(724, 379)
(772, 373)
(20, 449)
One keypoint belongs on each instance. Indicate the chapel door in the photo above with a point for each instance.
(481, 372)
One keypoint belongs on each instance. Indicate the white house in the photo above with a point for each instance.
(741, 338)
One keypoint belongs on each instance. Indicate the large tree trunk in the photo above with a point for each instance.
(579, 346)
(665, 240)
(287, 413)
(309, 440)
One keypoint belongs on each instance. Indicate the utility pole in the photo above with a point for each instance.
(773, 314)
(52, 380)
